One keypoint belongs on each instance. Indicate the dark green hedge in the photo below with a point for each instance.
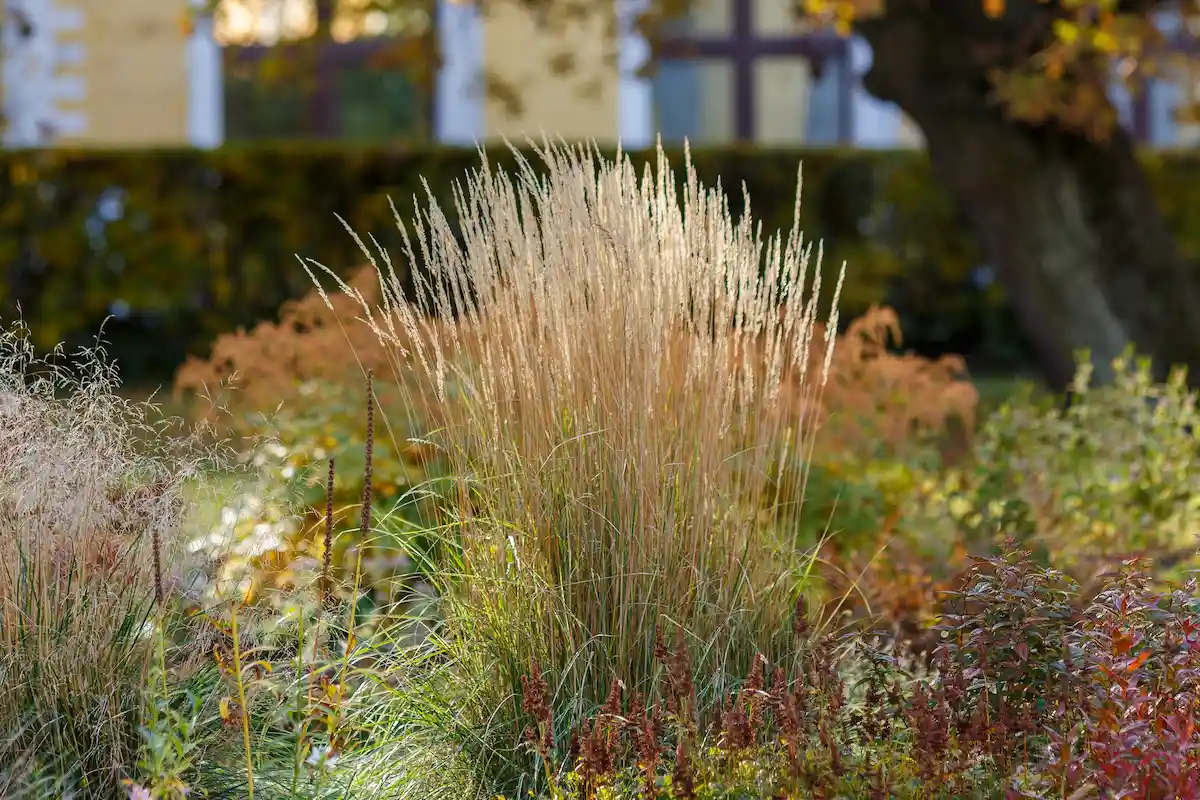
(206, 242)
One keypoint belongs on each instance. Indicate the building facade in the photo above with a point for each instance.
(733, 71)
(131, 73)
(109, 73)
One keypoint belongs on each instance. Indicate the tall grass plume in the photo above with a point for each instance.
(620, 368)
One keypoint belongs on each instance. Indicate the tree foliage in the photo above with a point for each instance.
(1057, 58)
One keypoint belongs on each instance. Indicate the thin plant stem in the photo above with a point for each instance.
(326, 593)
(322, 604)
(351, 619)
(241, 687)
(162, 652)
(301, 707)
(159, 606)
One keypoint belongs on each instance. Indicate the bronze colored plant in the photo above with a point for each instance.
(326, 591)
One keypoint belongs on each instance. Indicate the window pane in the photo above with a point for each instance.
(1167, 97)
(712, 17)
(676, 87)
(775, 17)
(821, 122)
(781, 90)
(258, 109)
(382, 105)
(694, 99)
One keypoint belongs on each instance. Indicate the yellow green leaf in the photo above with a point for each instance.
(1104, 41)
(1066, 31)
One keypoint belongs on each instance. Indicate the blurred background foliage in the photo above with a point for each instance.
(181, 246)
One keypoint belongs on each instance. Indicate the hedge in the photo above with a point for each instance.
(191, 244)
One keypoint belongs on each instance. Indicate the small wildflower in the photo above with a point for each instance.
(683, 781)
(139, 792)
(736, 733)
(534, 702)
(322, 758)
(800, 622)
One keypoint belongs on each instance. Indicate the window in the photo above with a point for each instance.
(736, 70)
(334, 90)
(256, 108)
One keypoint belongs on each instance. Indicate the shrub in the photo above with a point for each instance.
(92, 498)
(1034, 693)
(267, 529)
(883, 404)
(890, 422)
(269, 365)
(274, 687)
(1114, 474)
(1135, 654)
(885, 422)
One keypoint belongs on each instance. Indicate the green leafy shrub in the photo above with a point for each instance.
(1114, 474)
(274, 527)
(286, 678)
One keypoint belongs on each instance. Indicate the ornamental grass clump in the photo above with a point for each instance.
(90, 499)
(610, 356)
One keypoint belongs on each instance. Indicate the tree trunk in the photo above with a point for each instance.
(1069, 222)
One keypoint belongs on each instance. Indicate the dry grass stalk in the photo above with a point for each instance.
(327, 552)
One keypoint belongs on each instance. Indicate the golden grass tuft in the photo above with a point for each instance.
(873, 396)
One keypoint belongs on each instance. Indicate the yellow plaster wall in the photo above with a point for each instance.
(135, 71)
(580, 104)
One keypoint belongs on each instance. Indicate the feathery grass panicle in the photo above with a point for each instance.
(92, 496)
(610, 357)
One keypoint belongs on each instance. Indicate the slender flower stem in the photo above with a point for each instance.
(241, 687)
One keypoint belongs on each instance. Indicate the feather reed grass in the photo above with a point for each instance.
(619, 368)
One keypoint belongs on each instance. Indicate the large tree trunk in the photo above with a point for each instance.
(1068, 221)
